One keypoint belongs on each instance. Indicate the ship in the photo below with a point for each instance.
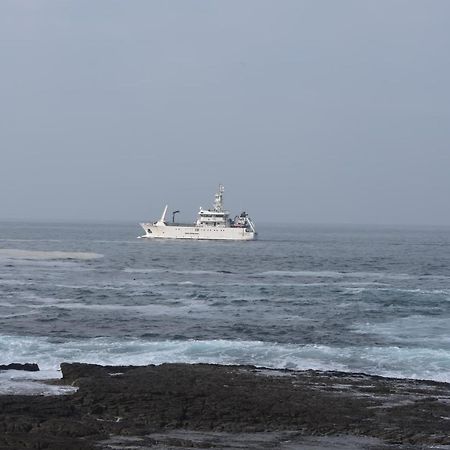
(211, 224)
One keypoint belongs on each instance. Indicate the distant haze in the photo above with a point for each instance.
(307, 111)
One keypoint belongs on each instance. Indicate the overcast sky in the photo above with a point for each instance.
(307, 111)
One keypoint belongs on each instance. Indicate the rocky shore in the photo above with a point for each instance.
(210, 406)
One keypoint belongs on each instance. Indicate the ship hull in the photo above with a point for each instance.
(153, 231)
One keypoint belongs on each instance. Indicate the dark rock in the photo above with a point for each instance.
(136, 401)
(29, 367)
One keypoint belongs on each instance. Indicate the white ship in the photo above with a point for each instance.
(211, 224)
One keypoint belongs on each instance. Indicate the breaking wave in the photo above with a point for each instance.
(394, 361)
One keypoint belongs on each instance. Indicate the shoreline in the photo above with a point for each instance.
(186, 405)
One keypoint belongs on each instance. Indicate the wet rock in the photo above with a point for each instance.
(29, 367)
(232, 400)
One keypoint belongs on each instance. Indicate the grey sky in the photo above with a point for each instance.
(307, 111)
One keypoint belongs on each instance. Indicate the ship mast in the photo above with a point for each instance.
(218, 200)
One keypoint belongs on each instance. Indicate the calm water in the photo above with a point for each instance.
(363, 299)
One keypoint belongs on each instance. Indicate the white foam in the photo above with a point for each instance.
(96, 287)
(422, 363)
(27, 383)
(15, 283)
(334, 274)
(383, 288)
(150, 310)
(11, 316)
(202, 272)
(415, 329)
(30, 300)
(178, 272)
(302, 273)
(132, 270)
(18, 254)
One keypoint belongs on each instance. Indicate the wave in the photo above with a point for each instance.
(415, 329)
(374, 277)
(415, 291)
(132, 270)
(396, 361)
(15, 315)
(179, 272)
(152, 310)
(334, 274)
(18, 254)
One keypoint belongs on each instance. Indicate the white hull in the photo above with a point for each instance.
(204, 232)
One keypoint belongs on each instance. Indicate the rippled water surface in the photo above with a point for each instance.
(350, 298)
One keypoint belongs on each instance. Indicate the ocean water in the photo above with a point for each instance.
(350, 298)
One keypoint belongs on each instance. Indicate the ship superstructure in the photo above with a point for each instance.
(213, 223)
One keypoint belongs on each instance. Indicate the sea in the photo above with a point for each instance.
(366, 299)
